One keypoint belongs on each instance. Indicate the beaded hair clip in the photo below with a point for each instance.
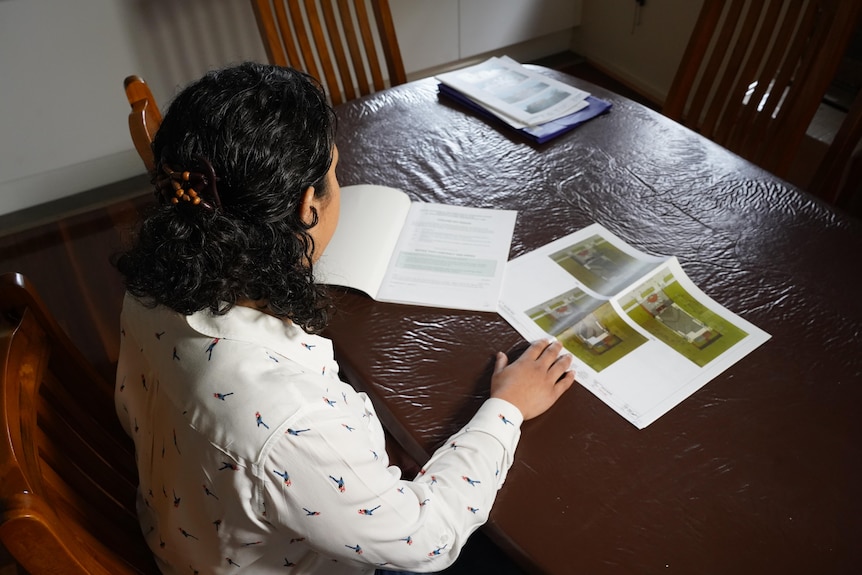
(197, 188)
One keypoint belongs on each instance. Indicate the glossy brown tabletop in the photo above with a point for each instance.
(759, 471)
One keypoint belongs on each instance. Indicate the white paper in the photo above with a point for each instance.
(643, 336)
(450, 256)
(419, 253)
(368, 227)
(519, 96)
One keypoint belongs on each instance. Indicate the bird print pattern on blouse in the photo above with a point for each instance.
(180, 523)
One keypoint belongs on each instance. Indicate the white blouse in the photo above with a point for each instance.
(253, 457)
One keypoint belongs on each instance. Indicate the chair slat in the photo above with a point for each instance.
(751, 68)
(786, 84)
(754, 73)
(389, 41)
(352, 38)
(272, 42)
(742, 138)
(836, 24)
(321, 48)
(332, 23)
(289, 38)
(67, 478)
(306, 54)
(703, 93)
(368, 45)
(340, 42)
(830, 180)
(73, 443)
(727, 81)
(66, 487)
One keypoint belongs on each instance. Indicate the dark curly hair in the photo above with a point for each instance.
(268, 133)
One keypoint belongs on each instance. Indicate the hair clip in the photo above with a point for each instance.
(186, 186)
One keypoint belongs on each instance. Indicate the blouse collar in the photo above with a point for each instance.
(280, 336)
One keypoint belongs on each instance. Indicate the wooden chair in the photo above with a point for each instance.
(755, 71)
(144, 119)
(67, 469)
(338, 35)
(838, 178)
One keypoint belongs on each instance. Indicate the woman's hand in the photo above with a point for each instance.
(536, 380)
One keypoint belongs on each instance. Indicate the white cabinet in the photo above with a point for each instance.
(431, 34)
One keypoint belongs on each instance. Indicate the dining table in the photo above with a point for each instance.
(758, 471)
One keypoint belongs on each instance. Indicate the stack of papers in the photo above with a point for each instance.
(537, 106)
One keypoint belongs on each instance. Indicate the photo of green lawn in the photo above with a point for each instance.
(665, 309)
(589, 328)
(600, 265)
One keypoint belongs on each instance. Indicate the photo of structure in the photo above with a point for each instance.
(587, 327)
(600, 265)
(664, 308)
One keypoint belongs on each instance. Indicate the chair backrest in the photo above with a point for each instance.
(341, 37)
(837, 179)
(144, 119)
(755, 71)
(67, 469)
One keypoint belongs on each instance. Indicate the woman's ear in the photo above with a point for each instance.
(307, 209)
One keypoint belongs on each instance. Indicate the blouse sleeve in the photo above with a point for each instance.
(323, 481)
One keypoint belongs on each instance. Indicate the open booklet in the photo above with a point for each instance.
(400, 251)
(643, 336)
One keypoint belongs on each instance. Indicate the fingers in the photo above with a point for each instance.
(559, 368)
(546, 353)
(501, 362)
(549, 354)
(536, 349)
(536, 380)
(564, 382)
(563, 363)
(532, 353)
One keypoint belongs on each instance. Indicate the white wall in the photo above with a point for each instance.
(641, 48)
(434, 35)
(63, 113)
(427, 32)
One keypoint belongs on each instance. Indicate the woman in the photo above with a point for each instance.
(253, 456)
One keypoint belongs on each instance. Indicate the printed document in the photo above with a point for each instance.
(644, 337)
(400, 251)
(517, 95)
